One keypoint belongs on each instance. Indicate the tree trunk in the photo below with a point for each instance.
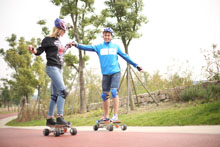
(82, 84)
(81, 66)
(8, 105)
(21, 110)
(38, 101)
(26, 99)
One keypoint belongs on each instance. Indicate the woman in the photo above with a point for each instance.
(55, 59)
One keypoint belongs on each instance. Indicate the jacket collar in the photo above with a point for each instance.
(107, 43)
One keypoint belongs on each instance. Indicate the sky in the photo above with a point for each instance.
(171, 41)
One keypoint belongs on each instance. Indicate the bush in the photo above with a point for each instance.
(192, 93)
(200, 92)
(213, 91)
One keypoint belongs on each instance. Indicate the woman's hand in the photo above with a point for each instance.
(73, 43)
(31, 48)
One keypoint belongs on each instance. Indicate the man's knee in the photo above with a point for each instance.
(105, 96)
(114, 92)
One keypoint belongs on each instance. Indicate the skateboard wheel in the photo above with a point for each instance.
(110, 127)
(123, 127)
(46, 132)
(62, 131)
(73, 131)
(57, 132)
(95, 127)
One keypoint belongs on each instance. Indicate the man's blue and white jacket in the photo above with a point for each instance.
(108, 56)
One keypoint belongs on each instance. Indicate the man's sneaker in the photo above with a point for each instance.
(102, 119)
(50, 122)
(114, 118)
(61, 121)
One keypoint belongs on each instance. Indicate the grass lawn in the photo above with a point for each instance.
(196, 114)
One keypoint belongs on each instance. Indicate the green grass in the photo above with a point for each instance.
(199, 114)
(204, 114)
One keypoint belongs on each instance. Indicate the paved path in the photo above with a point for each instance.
(187, 136)
(3, 116)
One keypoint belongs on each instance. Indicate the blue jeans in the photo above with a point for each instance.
(111, 81)
(57, 86)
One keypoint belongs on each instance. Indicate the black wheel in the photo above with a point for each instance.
(95, 127)
(73, 131)
(62, 131)
(110, 127)
(57, 132)
(123, 127)
(46, 132)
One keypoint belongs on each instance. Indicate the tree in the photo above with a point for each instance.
(19, 60)
(23, 80)
(6, 96)
(125, 19)
(212, 58)
(93, 86)
(45, 30)
(38, 69)
(85, 26)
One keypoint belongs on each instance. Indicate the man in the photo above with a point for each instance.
(108, 56)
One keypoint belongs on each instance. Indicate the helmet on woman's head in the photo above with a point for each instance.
(108, 29)
(60, 24)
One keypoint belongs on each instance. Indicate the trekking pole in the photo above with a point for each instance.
(122, 79)
(135, 91)
(145, 87)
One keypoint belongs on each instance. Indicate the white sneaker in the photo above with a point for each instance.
(114, 118)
